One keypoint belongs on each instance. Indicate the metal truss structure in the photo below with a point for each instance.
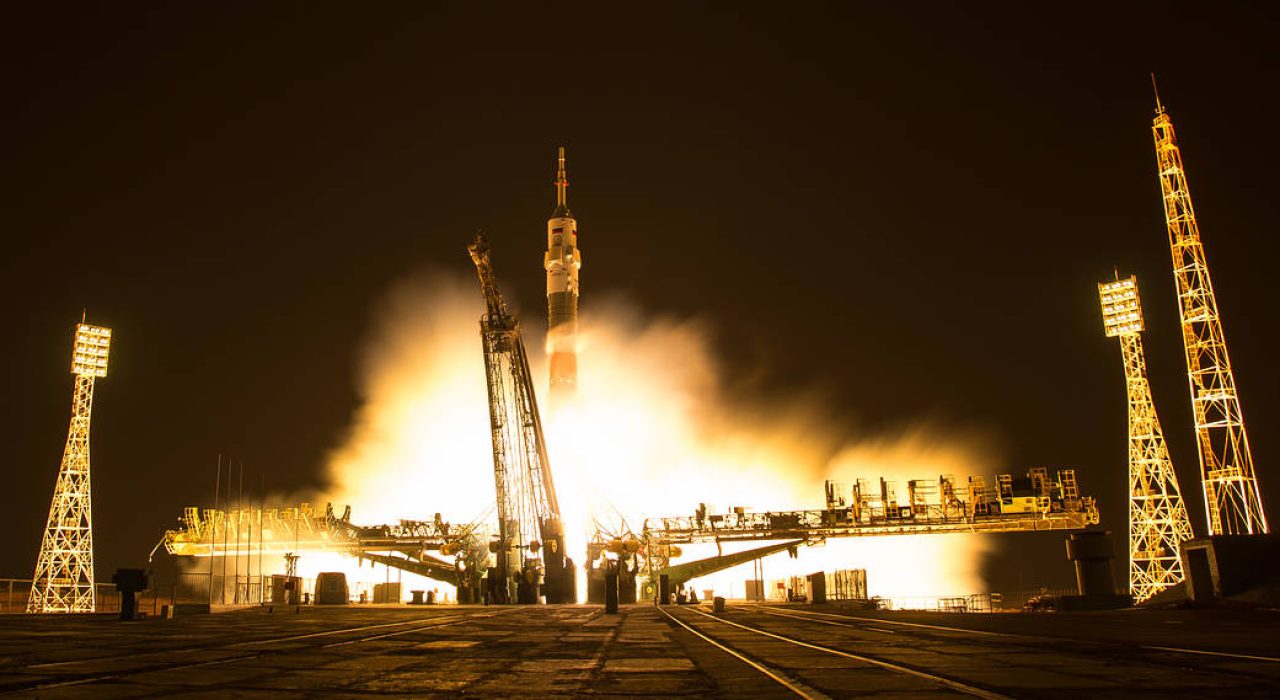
(63, 580)
(1033, 503)
(613, 547)
(1158, 522)
(529, 522)
(1231, 494)
(405, 545)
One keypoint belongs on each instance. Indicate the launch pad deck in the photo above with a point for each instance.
(749, 651)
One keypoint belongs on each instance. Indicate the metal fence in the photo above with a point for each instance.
(204, 588)
(1015, 601)
(974, 603)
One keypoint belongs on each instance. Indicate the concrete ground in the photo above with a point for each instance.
(767, 651)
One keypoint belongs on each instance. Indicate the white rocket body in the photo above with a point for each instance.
(562, 262)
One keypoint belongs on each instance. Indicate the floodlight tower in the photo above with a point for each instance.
(1231, 495)
(63, 580)
(1158, 520)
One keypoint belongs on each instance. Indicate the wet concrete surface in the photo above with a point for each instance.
(557, 651)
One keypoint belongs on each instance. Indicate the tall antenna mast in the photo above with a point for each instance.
(1158, 522)
(1231, 495)
(63, 580)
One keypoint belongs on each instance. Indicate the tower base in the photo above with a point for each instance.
(1225, 566)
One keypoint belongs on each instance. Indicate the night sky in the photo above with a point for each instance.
(904, 208)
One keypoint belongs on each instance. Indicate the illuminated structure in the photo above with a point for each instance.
(63, 580)
(1032, 503)
(1028, 504)
(406, 545)
(562, 261)
(529, 522)
(1231, 495)
(1158, 521)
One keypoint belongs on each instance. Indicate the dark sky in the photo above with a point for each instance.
(906, 206)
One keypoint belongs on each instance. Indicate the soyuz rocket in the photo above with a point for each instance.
(562, 261)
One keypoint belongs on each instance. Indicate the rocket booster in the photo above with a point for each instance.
(562, 261)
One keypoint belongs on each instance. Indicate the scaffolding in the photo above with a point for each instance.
(1029, 504)
(407, 545)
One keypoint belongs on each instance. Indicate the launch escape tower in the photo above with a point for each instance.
(1232, 499)
(1158, 521)
(562, 261)
(63, 580)
(529, 520)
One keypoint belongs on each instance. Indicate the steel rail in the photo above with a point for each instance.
(887, 665)
(802, 615)
(774, 674)
(1204, 652)
(805, 615)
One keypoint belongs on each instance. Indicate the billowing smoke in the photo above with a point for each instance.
(654, 432)
(420, 440)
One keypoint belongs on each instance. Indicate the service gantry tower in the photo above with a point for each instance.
(1158, 521)
(530, 545)
(1232, 499)
(63, 581)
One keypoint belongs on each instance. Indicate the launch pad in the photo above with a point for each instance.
(527, 560)
(1034, 503)
(523, 557)
(748, 651)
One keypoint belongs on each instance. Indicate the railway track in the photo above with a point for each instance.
(787, 677)
(870, 624)
(66, 676)
(977, 663)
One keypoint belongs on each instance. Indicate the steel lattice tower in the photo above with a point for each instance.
(529, 522)
(1158, 520)
(63, 580)
(1232, 499)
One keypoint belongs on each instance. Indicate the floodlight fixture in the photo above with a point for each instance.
(89, 357)
(1121, 307)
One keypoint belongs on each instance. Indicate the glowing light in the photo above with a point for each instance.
(1232, 497)
(1121, 309)
(63, 579)
(1158, 520)
(89, 357)
(652, 431)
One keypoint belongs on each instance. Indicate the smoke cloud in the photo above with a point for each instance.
(654, 432)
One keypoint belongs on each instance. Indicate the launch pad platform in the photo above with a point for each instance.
(749, 650)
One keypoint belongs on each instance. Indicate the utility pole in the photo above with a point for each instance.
(209, 521)
(262, 504)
